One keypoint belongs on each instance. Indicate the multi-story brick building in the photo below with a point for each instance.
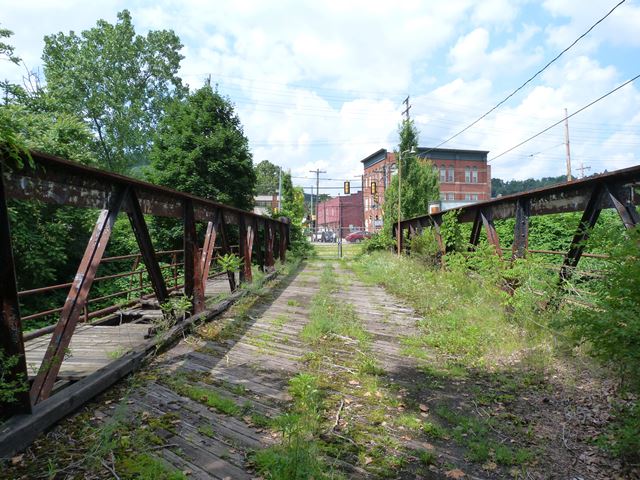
(347, 211)
(465, 177)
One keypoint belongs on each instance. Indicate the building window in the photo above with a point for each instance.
(443, 174)
(450, 174)
(474, 197)
(467, 175)
(467, 197)
(474, 175)
(443, 196)
(451, 196)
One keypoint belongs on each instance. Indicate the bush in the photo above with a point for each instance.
(451, 232)
(612, 325)
(425, 248)
(378, 241)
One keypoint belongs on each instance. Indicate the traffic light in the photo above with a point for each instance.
(374, 188)
(347, 188)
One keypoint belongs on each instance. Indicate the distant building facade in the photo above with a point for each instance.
(265, 204)
(347, 211)
(378, 168)
(464, 175)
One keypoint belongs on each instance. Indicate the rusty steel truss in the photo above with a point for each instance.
(53, 180)
(617, 189)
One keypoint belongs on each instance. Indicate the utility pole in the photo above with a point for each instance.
(405, 112)
(317, 171)
(566, 141)
(279, 189)
(312, 206)
(339, 227)
(582, 169)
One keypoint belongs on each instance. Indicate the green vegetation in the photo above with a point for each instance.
(111, 98)
(329, 317)
(125, 445)
(9, 388)
(419, 180)
(206, 120)
(203, 394)
(118, 82)
(267, 178)
(483, 314)
(378, 241)
(298, 456)
(475, 434)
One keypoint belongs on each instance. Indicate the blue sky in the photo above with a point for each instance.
(320, 84)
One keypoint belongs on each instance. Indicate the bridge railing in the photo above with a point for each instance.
(54, 180)
(613, 190)
(100, 307)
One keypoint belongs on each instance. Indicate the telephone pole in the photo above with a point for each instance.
(582, 169)
(406, 103)
(317, 171)
(566, 142)
(279, 189)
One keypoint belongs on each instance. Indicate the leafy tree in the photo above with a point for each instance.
(8, 50)
(267, 178)
(294, 209)
(200, 148)
(419, 181)
(509, 187)
(118, 82)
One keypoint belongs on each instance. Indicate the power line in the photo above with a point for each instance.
(563, 119)
(528, 80)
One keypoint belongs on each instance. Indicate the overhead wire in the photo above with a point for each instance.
(529, 80)
(602, 97)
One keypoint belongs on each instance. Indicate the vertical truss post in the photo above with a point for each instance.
(587, 222)
(521, 229)
(258, 245)
(242, 244)
(224, 242)
(476, 229)
(401, 237)
(269, 235)
(11, 341)
(276, 241)
(139, 226)
(490, 229)
(207, 251)
(192, 279)
(438, 234)
(76, 299)
(247, 234)
(394, 235)
(283, 242)
(287, 231)
(627, 211)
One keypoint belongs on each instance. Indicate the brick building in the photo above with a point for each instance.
(349, 207)
(465, 177)
(265, 204)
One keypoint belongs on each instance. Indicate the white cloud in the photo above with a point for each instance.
(471, 56)
(319, 85)
(620, 28)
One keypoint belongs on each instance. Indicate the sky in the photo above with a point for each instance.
(320, 85)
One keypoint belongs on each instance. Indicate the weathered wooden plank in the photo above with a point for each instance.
(19, 431)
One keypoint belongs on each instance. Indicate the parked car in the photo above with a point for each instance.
(328, 236)
(357, 237)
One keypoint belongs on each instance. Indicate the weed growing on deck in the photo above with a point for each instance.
(299, 454)
(329, 317)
